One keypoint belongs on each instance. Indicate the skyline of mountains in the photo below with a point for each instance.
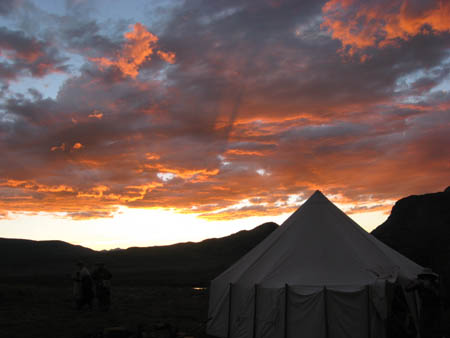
(418, 227)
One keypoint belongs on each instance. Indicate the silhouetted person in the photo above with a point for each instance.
(76, 278)
(427, 285)
(102, 279)
(83, 287)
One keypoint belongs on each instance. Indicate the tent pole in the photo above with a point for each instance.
(229, 310)
(254, 312)
(385, 321)
(326, 311)
(369, 323)
(286, 295)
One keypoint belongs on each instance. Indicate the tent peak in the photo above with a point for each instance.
(317, 196)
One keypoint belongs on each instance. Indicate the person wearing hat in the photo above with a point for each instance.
(102, 279)
(427, 285)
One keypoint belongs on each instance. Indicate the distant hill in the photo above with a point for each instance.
(183, 263)
(419, 228)
(20, 255)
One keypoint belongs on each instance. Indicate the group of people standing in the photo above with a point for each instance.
(87, 286)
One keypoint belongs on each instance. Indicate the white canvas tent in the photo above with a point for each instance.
(319, 275)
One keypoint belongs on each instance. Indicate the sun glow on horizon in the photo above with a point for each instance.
(141, 227)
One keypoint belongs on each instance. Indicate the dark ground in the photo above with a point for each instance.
(28, 311)
(48, 311)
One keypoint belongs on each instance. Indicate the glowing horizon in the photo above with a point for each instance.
(143, 227)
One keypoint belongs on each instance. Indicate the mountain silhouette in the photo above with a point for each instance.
(183, 263)
(419, 228)
(22, 253)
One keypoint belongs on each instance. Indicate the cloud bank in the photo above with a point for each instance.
(235, 108)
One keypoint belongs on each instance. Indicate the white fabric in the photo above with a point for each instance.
(316, 246)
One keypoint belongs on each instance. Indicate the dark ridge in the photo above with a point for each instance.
(186, 263)
(419, 228)
(180, 264)
(27, 252)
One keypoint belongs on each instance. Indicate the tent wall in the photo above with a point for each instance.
(348, 314)
(306, 314)
(310, 312)
(241, 312)
(269, 313)
(218, 315)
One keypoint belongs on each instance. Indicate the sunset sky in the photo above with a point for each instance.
(137, 123)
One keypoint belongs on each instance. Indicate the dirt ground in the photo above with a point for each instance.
(44, 311)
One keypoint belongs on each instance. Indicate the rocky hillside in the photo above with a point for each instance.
(419, 228)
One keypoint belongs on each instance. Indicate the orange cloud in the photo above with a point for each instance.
(363, 24)
(152, 156)
(96, 115)
(385, 208)
(233, 214)
(300, 155)
(195, 175)
(55, 198)
(138, 48)
(58, 188)
(242, 152)
(95, 192)
(32, 185)
(167, 56)
(138, 192)
(12, 183)
(62, 147)
(77, 146)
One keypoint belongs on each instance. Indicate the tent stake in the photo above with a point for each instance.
(254, 312)
(229, 311)
(326, 311)
(369, 323)
(286, 295)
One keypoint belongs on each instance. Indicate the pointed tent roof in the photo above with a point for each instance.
(318, 245)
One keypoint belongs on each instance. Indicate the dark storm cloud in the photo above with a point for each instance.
(233, 53)
(259, 105)
(27, 56)
(20, 45)
(83, 35)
